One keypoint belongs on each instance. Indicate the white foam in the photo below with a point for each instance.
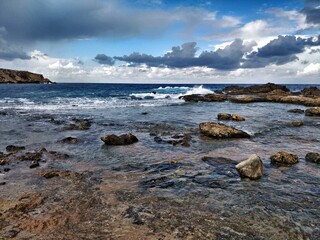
(198, 90)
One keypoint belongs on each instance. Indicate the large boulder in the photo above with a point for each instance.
(284, 158)
(233, 117)
(124, 139)
(251, 168)
(237, 117)
(311, 92)
(218, 130)
(264, 88)
(313, 112)
(313, 157)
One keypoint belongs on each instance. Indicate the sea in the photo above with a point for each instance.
(283, 204)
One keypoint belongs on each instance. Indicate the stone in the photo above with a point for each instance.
(311, 92)
(284, 158)
(224, 116)
(295, 124)
(237, 117)
(296, 110)
(313, 157)
(313, 112)
(34, 164)
(218, 130)
(251, 168)
(12, 148)
(124, 139)
(71, 140)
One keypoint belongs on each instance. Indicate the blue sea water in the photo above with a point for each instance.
(285, 198)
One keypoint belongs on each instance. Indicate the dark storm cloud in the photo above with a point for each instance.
(10, 52)
(32, 20)
(312, 11)
(279, 51)
(238, 54)
(228, 58)
(104, 59)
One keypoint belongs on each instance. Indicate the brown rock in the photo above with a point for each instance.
(264, 88)
(71, 140)
(224, 116)
(237, 117)
(251, 168)
(311, 92)
(313, 112)
(284, 158)
(12, 148)
(295, 124)
(313, 157)
(218, 130)
(124, 139)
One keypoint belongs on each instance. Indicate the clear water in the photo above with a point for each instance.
(284, 198)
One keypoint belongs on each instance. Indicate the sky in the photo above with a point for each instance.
(163, 41)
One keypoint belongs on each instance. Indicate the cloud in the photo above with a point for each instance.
(279, 51)
(312, 11)
(10, 52)
(104, 59)
(53, 20)
(184, 57)
(313, 68)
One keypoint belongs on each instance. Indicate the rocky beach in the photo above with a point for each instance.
(109, 161)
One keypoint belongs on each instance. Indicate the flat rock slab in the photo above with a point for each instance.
(218, 130)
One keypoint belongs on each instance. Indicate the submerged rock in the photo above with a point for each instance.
(251, 168)
(237, 117)
(224, 116)
(284, 158)
(313, 112)
(71, 140)
(124, 139)
(218, 130)
(313, 157)
(296, 110)
(79, 125)
(12, 148)
(295, 124)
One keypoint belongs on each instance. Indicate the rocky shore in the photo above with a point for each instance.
(269, 92)
(14, 76)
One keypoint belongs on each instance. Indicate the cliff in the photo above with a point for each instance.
(13, 76)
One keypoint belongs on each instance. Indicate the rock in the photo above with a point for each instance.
(251, 168)
(34, 164)
(218, 130)
(2, 162)
(6, 169)
(295, 124)
(31, 156)
(237, 117)
(124, 139)
(204, 98)
(13, 76)
(224, 116)
(52, 174)
(59, 155)
(311, 92)
(264, 88)
(296, 110)
(71, 140)
(284, 158)
(313, 157)
(246, 99)
(79, 125)
(144, 113)
(313, 112)
(12, 148)
(2, 183)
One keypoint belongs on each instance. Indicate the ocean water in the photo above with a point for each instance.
(285, 199)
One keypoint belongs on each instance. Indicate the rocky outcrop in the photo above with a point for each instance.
(218, 130)
(13, 76)
(233, 117)
(313, 112)
(296, 110)
(265, 88)
(284, 158)
(251, 168)
(204, 98)
(313, 157)
(124, 139)
(12, 148)
(311, 92)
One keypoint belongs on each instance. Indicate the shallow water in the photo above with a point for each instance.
(160, 190)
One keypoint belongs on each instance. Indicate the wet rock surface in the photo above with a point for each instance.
(265, 88)
(71, 140)
(313, 157)
(295, 124)
(284, 158)
(251, 168)
(313, 112)
(124, 139)
(12, 148)
(218, 130)
(296, 110)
